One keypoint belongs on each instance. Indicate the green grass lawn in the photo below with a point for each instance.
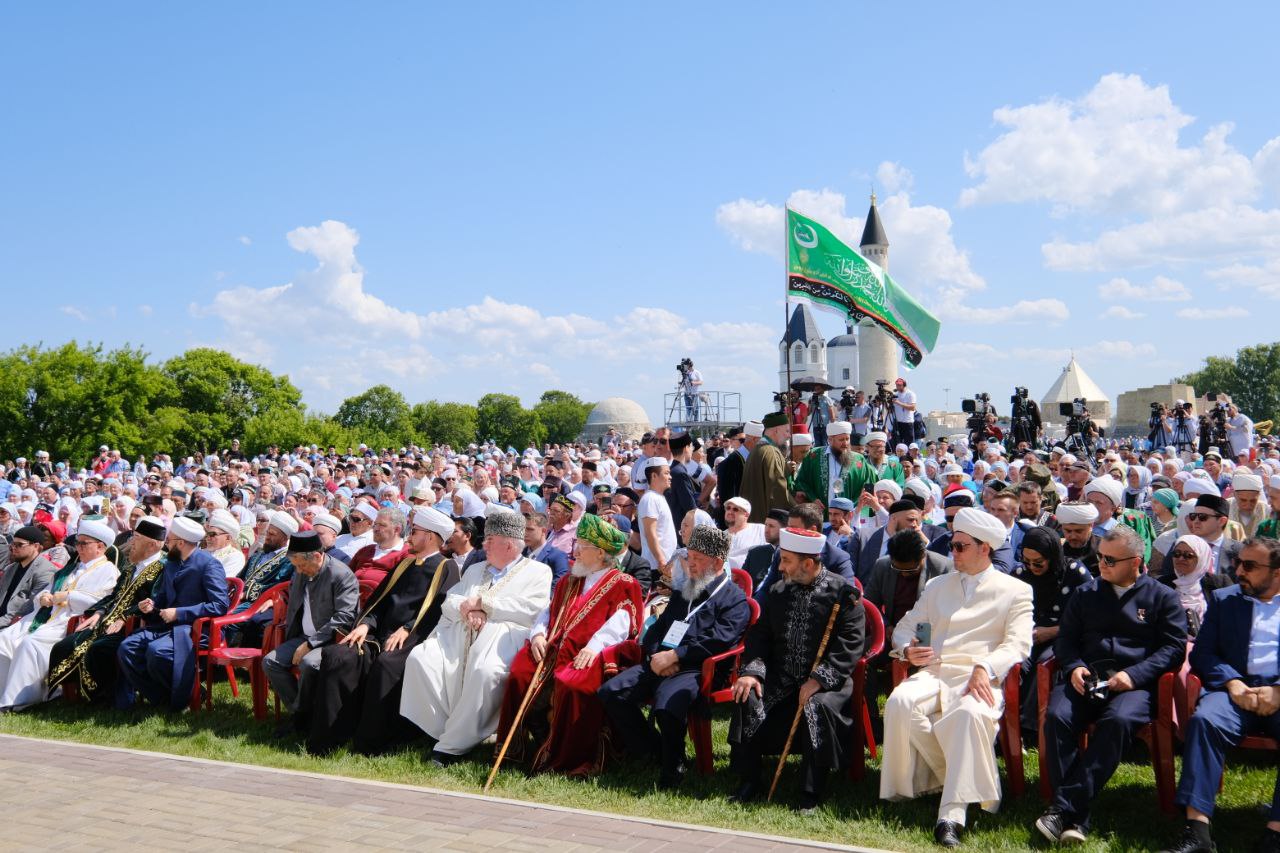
(1125, 816)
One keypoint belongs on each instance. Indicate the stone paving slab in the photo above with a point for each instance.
(68, 795)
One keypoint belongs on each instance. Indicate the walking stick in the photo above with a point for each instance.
(515, 722)
(786, 749)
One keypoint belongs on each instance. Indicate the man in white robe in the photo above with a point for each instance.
(940, 724)
(453, 682)
(26, 645)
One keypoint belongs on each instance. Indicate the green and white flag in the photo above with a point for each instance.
(822, 270)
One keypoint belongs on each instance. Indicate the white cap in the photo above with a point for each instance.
(953, 470)
(802, 439)
(423, 491)
(888, 486)
(366, 509)
(1108, 486)
(101, 532)
(1197, 486)
(223, 520)
(839, 428)
(429, 518)
(1076, 513)
(1243, 481)
(284, 522)
(801, 541)
(324, 519)
(877, 436)
(578, 498)
(186, 529)
(754, 429)
(919, 487)
(982, 526)
(741, 503)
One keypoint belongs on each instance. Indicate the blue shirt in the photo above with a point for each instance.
(1264, 639)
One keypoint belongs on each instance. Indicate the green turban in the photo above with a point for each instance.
(594, 530)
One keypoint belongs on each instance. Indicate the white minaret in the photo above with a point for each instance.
(878, 352)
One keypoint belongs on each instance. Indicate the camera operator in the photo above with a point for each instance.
(690, 385)
(1159, 427)
(904, 413)
(860, 417)
(1239, 431)
(821, 413)
(1184, 426)
(1024, 419)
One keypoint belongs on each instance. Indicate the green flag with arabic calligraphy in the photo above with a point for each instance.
(822, 270)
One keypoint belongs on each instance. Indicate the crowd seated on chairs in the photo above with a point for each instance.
(1065, 603)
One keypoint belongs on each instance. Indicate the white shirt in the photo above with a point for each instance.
(612, 632)
(348, 544)
(901, 415)
(653, 505)
(743, 541)
(1264, 638)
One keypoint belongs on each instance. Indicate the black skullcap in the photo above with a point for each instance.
(1213, 503)
(781, 516)
(903, 505)
(31, 533)
(151, 529)
(304, 542)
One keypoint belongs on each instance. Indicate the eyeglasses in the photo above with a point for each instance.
(1112, 561)
(1182, 555)
(961, 547)
(1250, 566)
(659, 441)
(1201, 516)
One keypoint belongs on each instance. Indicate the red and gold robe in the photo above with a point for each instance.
(367, 568)
(565, 708)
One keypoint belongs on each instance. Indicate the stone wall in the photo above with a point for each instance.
(1133, 408)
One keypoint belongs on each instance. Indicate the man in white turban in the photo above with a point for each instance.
(1106, 493)
(221, 539)
(966, 631)
(1247, 507)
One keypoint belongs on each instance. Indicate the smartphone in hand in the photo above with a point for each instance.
(924, 634)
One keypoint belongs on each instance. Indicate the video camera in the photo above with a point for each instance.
(1075, 409)
(782, 399)
(979, 405)
(1019, 397)
(685, 365)
(884, 396)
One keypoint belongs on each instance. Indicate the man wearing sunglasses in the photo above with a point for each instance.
(1235, 655)
(1209, 521)
(1118, 635)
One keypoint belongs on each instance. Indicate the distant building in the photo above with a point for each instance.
(802, 348)
(1071, 384)
(1133, 408)
(626, 416)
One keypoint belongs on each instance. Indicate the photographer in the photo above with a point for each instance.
(1024, 418)
(690, 385)
(1160, 429)
(859, 415)
(821, 413)
(904, 408)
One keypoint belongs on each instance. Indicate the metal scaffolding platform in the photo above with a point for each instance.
(707, 413)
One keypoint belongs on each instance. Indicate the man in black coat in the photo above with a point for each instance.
(705, 616)
(782, 671)
(832, 557)
(1209, 521)
(729, 470)
(682, 496)
(1120, 633)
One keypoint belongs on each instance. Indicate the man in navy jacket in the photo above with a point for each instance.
(1237, 656)
(833, 558)
(1120, 632)
(159, 661)
(707, 614)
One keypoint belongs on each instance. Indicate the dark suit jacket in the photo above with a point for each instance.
(1143, 631)
(833, 559)
(714, 629)
(638, 567)
(883, 580)
(866, 554)
(1226, 561)
(758, 562)
(729, 476)
(1221, 650)
(683, 494)
(334, 595)
(555, 558)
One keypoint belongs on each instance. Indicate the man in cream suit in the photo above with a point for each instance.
(940, 724)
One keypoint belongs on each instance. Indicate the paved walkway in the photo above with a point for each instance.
(79, 797)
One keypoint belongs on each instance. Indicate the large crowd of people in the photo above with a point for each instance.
(561, 601)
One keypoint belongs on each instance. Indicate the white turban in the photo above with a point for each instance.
(1196, 486)
(801, 541)
(839, 428)
(1275, 481)
(877, 436)
(429, 518)
(1109, 487)
(888, 486)
(1076, 513)
(324, 519)
(1243, 481)
(366, 509)
(284, 522)
(918, 487)
(224, 521)
(100, 531)
(801, 439)
(753, 429)
(187, 529)
(982, 526)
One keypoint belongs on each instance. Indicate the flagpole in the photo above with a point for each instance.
(786, 314)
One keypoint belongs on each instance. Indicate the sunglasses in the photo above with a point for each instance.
(1035, 564)
(961, 547)
(1250, 566)
(1183, 555)
(1201, 516)
(1113, 561)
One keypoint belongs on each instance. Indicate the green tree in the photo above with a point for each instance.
(380, 410)
(1252, 379)
(501, 417)
(563, 415)
(218, 394)
(437, 422)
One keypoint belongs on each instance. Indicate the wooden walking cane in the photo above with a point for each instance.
(786, 749)
(515, 723)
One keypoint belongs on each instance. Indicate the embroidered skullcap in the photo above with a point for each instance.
(1076, 512)
(504, 522)
(801, 541)
(982, 526)
(594, 530)
(712, 541)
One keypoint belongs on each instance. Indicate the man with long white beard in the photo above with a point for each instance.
(572, 649)
(706, 615)
(453, 682)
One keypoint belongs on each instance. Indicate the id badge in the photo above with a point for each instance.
(675, 634)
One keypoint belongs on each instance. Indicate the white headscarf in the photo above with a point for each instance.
(1188, 585)
(472, 506)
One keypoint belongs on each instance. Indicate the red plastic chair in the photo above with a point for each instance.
(1188, 692)
(213, 625)
(1010, 735)
(863, 737)
(1157, 735)
(700, 719)
(233, 657)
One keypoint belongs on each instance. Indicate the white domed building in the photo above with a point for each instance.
(625, 416)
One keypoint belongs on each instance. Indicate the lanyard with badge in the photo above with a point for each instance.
(681, 626)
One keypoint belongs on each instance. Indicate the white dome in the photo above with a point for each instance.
(626, 416)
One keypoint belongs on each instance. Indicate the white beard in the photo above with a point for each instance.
(691, 588)
(578, 570)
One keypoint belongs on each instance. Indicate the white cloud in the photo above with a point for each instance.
(1161, 289)
(1264, 278)
(1117, 148)
(894, 177)
(1119, 312)
(244, 240)
(73, 311)
(462, 351)
(1025, 311)
(145, 310)
(1229, 313)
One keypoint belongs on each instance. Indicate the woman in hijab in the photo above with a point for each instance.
(467, 504)
(1193, 579)
(1137, 493)
(1165, 506)
(68, 512)
(1041, 563)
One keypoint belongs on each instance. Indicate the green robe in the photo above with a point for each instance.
(764, 481)
(1268, 528)
(1141, 524)
(858, 477)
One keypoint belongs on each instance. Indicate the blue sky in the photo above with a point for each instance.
(509, 197)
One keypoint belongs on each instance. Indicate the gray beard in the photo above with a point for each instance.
(844, 457)
(691, 588)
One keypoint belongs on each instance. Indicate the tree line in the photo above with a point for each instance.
(71, 399)
(1251, 378)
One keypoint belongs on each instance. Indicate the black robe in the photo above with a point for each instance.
(1087, 555)
(89, 656)
(357, 691)
(780, 651)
